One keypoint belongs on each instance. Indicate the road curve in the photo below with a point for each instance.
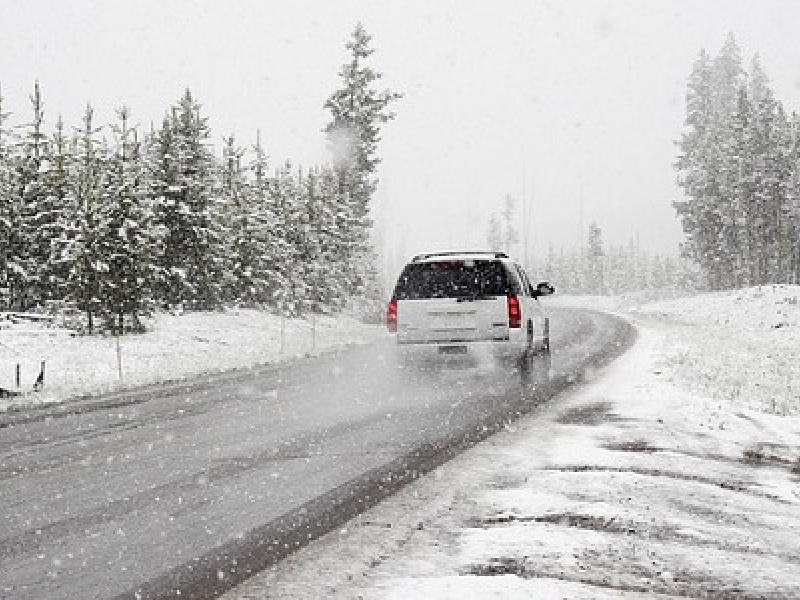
(195, 486)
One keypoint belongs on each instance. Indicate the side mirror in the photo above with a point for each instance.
(544, 289)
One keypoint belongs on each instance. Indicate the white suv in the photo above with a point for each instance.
(461, 300)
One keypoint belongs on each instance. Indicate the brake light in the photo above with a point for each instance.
(391, 316)
(514, 313)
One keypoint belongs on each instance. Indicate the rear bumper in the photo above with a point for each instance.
(512, 345)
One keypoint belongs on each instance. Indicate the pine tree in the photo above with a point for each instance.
(511, 235)
(494, 235)
(205, 257)
(333, 243)
(161, 169)
(709, 214)
(784, 167)
(614, 271)
(288, 298)
(737, 176)
(27, 244)
(60, 202)
(694, 164)
(125, 240)
(83, 249)
(241, 246)
(594, 260)
(358, 110)
(309, 241)
(658, 276)
(191, 259)
(728, 77)
(792, 207)
(270, 245)
(764, 146)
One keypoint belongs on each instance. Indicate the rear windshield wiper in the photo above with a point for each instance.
(475, 297)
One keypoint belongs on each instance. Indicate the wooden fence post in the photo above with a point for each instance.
(119, 361)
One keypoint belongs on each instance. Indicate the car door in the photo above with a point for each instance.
(532, 307)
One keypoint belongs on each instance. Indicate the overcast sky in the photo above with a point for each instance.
(567, 104)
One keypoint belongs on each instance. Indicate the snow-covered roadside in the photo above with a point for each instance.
(676, 472)
(175, 347)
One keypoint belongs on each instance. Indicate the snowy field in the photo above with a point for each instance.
(674, 472)
(175, 347)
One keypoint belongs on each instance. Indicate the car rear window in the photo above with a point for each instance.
(452, 279)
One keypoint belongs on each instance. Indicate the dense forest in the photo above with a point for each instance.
(113, 222)
(739, 166)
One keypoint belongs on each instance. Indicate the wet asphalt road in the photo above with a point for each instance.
(192, 486)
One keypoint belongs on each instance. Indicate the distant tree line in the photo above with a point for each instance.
(739, 166)
(598, 269)
(114, 222)
(595, 268)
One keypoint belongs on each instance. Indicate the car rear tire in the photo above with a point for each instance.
(546, 353)
(529, 352)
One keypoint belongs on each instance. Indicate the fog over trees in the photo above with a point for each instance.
(738, 166)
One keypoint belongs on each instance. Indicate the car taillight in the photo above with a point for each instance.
(391, 316)
(514, 313)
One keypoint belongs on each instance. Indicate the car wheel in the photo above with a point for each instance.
(530, 347)
(528, 352)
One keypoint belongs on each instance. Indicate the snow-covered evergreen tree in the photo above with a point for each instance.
(693, 165)
(765, 193)
(785, 228)
(739, 168)
(310, 251)
(711, 213)
(594, 261)
(60, 202)
(28, 248)
(182, 169)
(126, 244)
(241, 247)
(510, 234)
(289, 296)
(270, 246)
(358, 111)
(161, 168)
(87, 265)
(494, 234)
(792, 220)
(724, 208)
(737, 179)
(615, 271)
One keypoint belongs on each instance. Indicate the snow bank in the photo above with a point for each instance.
(175, 347)
(741, 347)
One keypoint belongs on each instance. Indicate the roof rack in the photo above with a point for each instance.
(419, 257)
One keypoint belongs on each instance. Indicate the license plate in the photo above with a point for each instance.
(452, 349)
